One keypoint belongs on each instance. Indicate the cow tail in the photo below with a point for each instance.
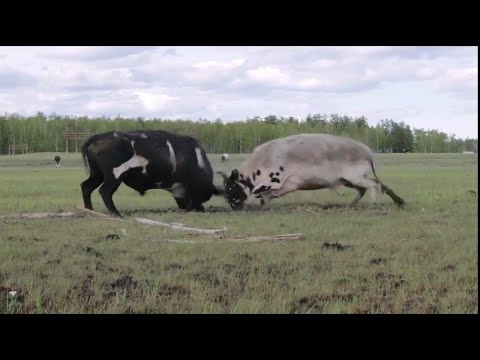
(385, 189)
(85, 152)
(373, 170)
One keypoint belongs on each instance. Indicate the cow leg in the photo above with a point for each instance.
(288, 186)
(199, 207)
(265, 201)
(361, 191)
(188, 204)
(194, 204)
(88, 186)
(365, 183)
(110, 185)
(181, 202)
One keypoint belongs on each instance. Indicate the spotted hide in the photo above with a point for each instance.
(304, 162)
(145, 160)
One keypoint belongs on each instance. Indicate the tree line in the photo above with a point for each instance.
(45, 133)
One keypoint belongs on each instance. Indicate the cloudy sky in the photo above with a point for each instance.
(426, 87)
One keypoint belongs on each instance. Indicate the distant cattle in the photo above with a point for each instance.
(56, 160)
(407, 150)
(146, 160)
(304, 162)
(225, 158)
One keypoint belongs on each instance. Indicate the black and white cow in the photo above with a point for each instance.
(144, 160)
(304, 162)
(56, 160)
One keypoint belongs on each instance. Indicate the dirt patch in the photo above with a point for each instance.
(228, 293)
(206, 278)
(335, 246)
(123, 284)
(317, 302)
(82, 293)
(144, 259)
(54, 261)
(418, 302)
(112, 237)
(377, 261)
(104, 269)
(449, 267)
(92, 251)
(228, 268)
(322, 265)
(169, 290)
(390, 281)
(384, 275)
(281, 271)
(244, 257)
(126, 282)
(173, 266)
(244, 271)
(471, 193)
(5, 275)
(15, 238)
(204, 260)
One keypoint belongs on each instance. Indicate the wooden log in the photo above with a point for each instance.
(96, 214)
(177, 226)
(287, 237)
(298, 236)
(38, 215)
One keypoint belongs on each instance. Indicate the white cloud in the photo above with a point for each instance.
(268, 75)
(154, 100)
(460, 81)
(411, 84)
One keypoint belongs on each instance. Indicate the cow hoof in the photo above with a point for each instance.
(200, 208)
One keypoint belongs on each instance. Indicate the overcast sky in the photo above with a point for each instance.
(426, 87)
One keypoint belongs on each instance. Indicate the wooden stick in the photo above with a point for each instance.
(38, 215)
(176, 226)
(249, 239)
(97, 214)
(298, 236)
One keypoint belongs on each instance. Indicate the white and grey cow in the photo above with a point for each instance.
(304, 162)
(144, 160)
(225, 158)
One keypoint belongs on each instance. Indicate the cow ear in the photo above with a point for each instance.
(234, 176)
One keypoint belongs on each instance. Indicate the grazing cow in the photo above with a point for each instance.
(406, 150)
(303, 162)
(56, 160)
(225, 158)
(146, 160)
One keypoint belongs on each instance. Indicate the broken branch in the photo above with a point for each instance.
(38, 215)
(298, 236)
(177, 226)
(96, 214)
(249, 239)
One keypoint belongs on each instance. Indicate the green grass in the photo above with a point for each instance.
(423, 259)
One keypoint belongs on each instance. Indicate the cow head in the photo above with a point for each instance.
(237, 189)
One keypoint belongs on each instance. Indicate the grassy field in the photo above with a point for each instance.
(423, 259)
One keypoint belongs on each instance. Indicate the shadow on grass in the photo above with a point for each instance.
(306, 207)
